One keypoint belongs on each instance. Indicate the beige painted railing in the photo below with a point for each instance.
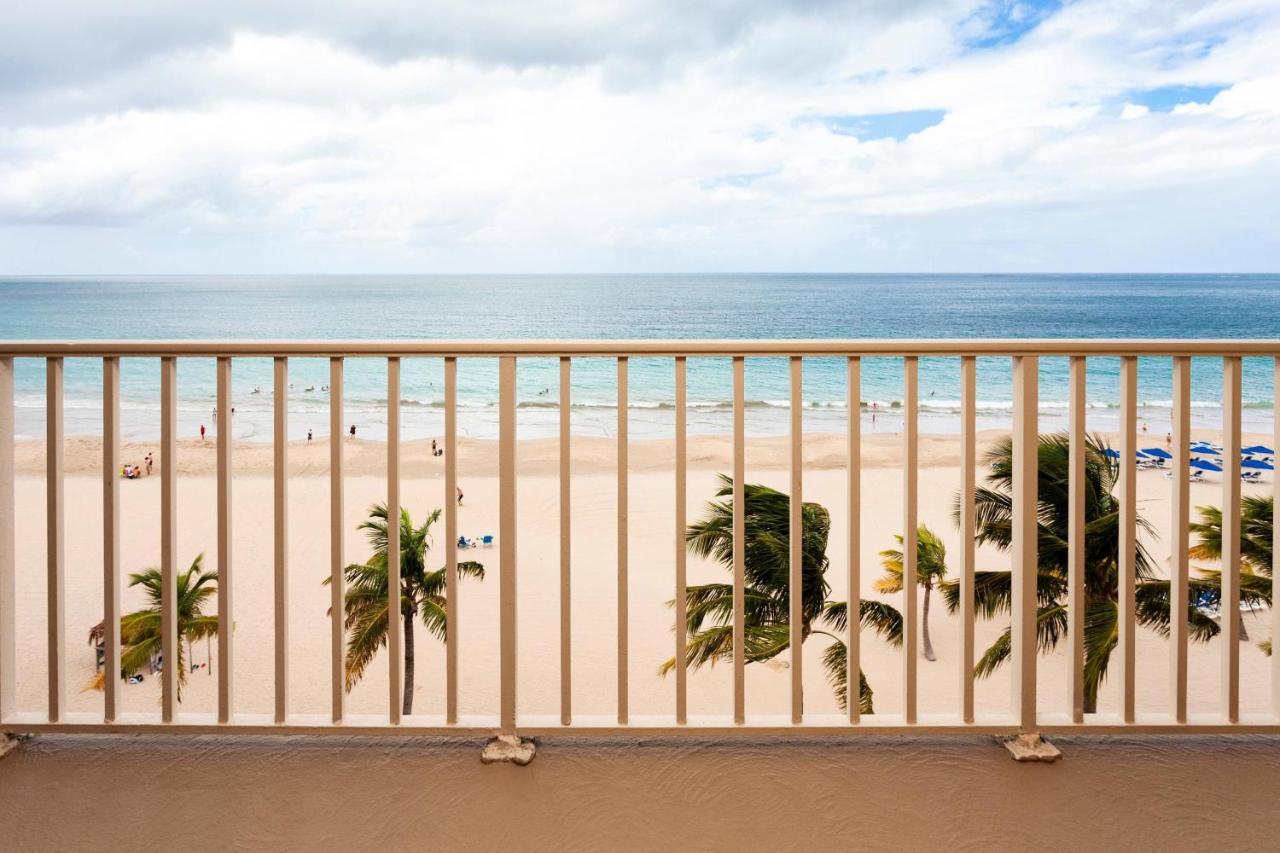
(1024, 715)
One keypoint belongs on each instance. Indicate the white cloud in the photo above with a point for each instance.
(617, 136)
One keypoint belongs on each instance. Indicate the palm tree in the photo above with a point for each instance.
(422, 595)
(993, 591)
(1256, 515)
(931, 569)
(766, 558)
(141, 637)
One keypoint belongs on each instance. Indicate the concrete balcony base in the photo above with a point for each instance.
(10, 742)
(508, 749)
(1029, 746)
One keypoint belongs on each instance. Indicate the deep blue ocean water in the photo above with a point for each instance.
(632, 306)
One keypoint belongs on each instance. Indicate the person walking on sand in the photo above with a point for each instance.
(353, 430)
(459, 496)
(308, 435)
(202, 432)
(149, 463)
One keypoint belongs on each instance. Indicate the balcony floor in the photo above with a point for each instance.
(299, 793)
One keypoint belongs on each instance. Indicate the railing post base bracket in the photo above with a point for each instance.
(511, 749)
(9, 742)
(1029, 746)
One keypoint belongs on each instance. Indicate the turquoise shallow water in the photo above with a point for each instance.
(611, 306)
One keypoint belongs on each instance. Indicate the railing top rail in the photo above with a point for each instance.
(641, 348)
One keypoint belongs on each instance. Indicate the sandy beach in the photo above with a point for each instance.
(652, 545)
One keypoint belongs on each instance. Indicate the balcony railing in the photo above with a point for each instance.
(1024, 714)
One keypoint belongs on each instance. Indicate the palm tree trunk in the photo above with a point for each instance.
(407, 707)
(924, 622)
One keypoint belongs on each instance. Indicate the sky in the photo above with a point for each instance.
(640, 136)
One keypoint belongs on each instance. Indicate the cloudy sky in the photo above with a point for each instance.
(640, 135)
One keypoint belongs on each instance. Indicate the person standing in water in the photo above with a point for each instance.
(202, 432)
(353, 430)
(308, 435)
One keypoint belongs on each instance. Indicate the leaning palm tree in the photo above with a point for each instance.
(141, 636)
(422, 595)
(1256, 517)
(766, 559)
(931, 570)
(993, 590)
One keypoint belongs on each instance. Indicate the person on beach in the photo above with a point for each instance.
(433, 448)
(308, 435)
(149, 462)
(353, 430)
(1168, 439)
(202, 432)
(459, 496)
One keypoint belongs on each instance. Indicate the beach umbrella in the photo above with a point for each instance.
(1111, 454)
(1204, 450)
(1205, 465)
(1157, 452)
(1260, 449)
(1256, 463)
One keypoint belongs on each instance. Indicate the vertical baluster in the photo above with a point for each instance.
(395, 633)
(56, 528)
(168, 536)
(795, 534)
(8, 636)
(1178, 563)
(1125, 604)
(566, 587)
(110, 536)
(910, 480)
(853, 629)
(968, 525)
(739, 541)
(1230, 620)
(1075, 537)
(226, 617)
(623, 701)
(507, 543)
(1025, 550)
(280, 477)
(337, 581)
(1275, 549)
(681, 519)
(451, 537)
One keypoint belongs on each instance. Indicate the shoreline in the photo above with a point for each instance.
(82, 454)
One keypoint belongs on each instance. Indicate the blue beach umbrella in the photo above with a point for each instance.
(1205, 465)
(1256, 463)
(1157, 452)
(1204, 450)
(1260, 449)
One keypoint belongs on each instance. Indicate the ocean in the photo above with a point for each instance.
(632, 306)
